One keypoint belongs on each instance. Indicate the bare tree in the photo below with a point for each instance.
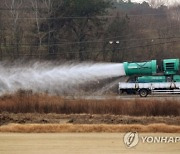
(14, 6)
(1, 36)
(175, 12)
(36, 12)
(49, 31)
(49, 6)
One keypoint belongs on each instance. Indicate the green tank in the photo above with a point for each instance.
(141, 68)
(153, 79)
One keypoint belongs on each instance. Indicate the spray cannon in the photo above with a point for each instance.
(141, 68)
(152, 77)
(150, 71)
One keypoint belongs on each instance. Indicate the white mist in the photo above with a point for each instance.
(42, 77)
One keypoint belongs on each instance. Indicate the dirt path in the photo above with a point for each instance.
(77, 143)
(35, 118)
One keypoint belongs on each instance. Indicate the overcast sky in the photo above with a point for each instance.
(169, 1)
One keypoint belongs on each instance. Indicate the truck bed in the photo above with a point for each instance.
(160, 85)
(144, 89)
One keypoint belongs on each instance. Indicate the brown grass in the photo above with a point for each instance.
(85, 128)
(27, 102)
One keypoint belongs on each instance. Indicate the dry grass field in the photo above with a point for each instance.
(43, 124)
(85, 128)
(80, 143)
(37, 113)
(28, 102)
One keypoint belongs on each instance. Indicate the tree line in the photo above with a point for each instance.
(81, 30)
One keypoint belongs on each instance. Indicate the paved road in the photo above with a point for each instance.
(127, 97)
(158, 97)
(79, 143)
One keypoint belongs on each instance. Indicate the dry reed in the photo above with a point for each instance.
(27, 102)
(85, 128)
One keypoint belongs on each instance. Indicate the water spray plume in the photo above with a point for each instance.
(42, 77)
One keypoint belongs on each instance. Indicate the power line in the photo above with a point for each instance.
(22, 9)
(125, 40)
(130, 35)
(85, 17)
(124, 48)
(161, 43)
(97, 41)
(44, 9)
(134, 47)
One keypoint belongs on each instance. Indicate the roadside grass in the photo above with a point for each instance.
(28, 102)
(85, 128)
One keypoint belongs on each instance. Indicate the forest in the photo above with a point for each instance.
(88, 30)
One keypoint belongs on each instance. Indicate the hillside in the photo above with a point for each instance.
(87, 30)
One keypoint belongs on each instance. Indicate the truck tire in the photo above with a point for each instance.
(143, 92)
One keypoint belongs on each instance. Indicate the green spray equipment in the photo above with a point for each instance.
(142, 68)
(149, 71)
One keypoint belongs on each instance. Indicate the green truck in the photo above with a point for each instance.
(148, 77)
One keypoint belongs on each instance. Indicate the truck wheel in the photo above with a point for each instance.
(143, 92)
